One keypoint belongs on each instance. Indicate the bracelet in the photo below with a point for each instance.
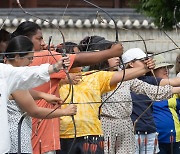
(55, 69)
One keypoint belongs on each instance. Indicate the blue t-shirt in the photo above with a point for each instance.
(146, 122)
(167, 119)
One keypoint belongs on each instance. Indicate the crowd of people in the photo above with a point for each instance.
(52, 104)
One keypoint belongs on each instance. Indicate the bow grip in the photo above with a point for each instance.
(64, 55)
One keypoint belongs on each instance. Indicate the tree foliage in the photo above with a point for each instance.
(165, 13)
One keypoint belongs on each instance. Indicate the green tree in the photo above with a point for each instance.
(164, 13)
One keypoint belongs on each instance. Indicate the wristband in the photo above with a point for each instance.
(55, 69)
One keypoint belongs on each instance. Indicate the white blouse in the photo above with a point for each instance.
(11, 79)
(178, 75)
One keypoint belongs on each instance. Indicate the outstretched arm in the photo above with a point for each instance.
(176, 90)
(27, 104)
(63, 62)
(30, 77)
(132, 73)
(173, 82)
(89, 58)
(47, 97)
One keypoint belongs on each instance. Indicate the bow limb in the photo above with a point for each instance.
(146, 51)
(152, 71)
(6, 18)
(116, 28)
(57, 27)
(171, 39)
(116, 41)
(64, 54)
(156, 80)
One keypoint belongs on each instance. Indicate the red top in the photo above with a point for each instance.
(46, 137)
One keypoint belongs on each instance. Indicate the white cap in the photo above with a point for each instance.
(133, 54)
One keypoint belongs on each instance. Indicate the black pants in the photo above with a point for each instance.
(79, 143)
(165, 148)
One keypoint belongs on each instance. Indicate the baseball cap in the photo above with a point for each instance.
(133, 54)
(160, 61)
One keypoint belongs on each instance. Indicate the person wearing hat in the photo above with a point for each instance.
(144, 127)
(89, 89)
(47, 138)
(132, 55)
(162, 66)
(115, 117)
(166, 113)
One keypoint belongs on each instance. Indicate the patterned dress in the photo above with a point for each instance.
(14, 115)
(116, 122)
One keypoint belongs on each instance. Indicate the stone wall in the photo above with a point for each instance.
(159, 44)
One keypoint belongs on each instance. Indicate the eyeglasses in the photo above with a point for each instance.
(142, 60)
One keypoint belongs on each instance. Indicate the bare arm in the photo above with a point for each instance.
(48, 97)
(173, 82)
(89, 58)
(27, 104)
(59, 65)
(132, 73)
(176, 90)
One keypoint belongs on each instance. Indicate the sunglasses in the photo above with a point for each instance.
(142, 60)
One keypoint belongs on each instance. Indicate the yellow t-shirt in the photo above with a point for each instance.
(89, 89)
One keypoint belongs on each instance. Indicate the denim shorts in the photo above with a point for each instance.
(150, 148)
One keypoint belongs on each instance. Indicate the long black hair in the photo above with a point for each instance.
(95, 43)
(69, 47)
(4, 35)
(26, 28)
(18, 44)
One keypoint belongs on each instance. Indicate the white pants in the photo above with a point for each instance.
(50, 152)
(140, 149)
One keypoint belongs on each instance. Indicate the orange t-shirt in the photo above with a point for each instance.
(46, 137)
